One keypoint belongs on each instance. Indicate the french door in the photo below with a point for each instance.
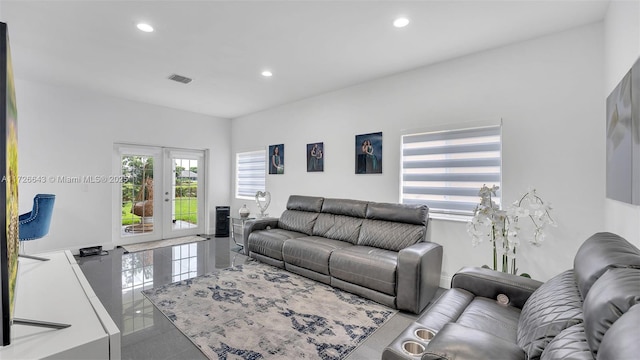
(160, 195)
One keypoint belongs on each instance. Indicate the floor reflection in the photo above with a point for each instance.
(137, 275)
(118, 279)
(147, 227)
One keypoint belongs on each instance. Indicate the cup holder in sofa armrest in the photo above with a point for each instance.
(412, 343)
(424, 334)
(413, 348)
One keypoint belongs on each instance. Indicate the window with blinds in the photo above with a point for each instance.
(250, 173)
(446, 169)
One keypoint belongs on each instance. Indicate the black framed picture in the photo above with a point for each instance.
(315, 157)
(276, 159)
(368, 150)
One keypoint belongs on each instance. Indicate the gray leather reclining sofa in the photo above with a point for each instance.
(378, 251)
(588, 312)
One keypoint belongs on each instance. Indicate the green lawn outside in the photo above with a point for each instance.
(186, 210)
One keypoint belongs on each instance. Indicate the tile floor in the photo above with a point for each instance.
(118, 278)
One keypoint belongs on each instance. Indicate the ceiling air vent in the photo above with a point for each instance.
(180, 78)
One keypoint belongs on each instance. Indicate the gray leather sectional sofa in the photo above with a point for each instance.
(376, 250)
(589, 312)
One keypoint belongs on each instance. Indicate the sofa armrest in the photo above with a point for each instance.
(490, 283)
(455, 341)
(418, 276)
(254, 225)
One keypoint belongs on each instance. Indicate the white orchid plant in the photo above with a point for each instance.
(501, 227)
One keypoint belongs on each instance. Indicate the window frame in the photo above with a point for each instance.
(451, 214)
(258, 153)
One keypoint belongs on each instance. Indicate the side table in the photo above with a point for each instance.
(237, 225)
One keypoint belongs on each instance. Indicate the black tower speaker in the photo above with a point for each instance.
(222, 221)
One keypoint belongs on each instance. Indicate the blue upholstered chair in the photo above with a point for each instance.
(35, 224)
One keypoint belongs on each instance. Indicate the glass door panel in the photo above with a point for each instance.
(184, 203)
(137, 204)
(137, 195)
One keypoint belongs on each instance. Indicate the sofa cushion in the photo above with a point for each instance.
(311, 252)
(569, 344)
(600, 252)
(296, 220)
(353, 208)
(305, 203)
(366, 266)
(269, 242)
(617, 342)
(610, 297)
(404, 213)
(389, 235)
(553, 307)
(447, 308)
(487, 315)
(338, 227)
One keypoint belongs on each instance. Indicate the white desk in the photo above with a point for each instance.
(57, 291)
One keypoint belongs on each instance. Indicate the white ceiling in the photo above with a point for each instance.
(312, 47)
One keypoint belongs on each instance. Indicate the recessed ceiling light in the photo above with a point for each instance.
(145, 27)
(401, 22)
(267, 73)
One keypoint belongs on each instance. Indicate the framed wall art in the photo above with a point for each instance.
(623, 139)
(276, 159)
(315, 157)
(368, 149)
(9, 241)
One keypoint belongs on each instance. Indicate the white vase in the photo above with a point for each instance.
(244, 212)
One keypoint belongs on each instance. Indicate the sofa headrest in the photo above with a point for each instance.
(355, 208)
(305, 203)
(610, 297)
(404, 213)
(600, 252)
(621, 340)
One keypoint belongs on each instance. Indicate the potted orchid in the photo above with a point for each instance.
(501, 227)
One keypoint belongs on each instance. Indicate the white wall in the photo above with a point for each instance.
(69, 132)
(622, 50)
(548, 93)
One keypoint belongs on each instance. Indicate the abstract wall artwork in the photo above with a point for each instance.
(368, 150)
(276, 159)
(623, 139)
(315, 157)
(9, 242)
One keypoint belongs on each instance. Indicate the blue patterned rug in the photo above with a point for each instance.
(257, 311)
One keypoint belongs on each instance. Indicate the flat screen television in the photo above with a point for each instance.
(9, 241)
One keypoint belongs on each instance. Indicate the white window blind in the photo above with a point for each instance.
(250, 173)
(446, 169)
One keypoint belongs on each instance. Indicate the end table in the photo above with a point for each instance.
(237, 225)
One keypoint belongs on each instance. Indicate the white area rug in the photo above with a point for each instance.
(162, 243)
(256, 311)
